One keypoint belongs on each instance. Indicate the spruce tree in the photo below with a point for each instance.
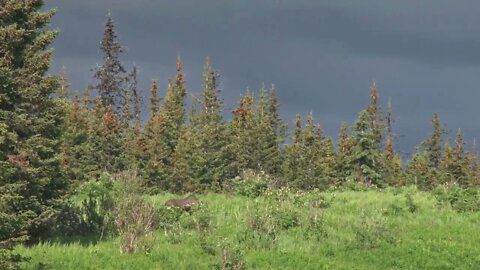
(213, 134)
(392, 163)
(31, 181)
(420, 173)
(244, 141)
(154, 99)
(203, 148)
(294, 162)
(134, 92)
(156, 153)
(75, 140)
(433, 145)
(111, 75)
(173, 107)
(278, 124)
(345, 145)
(63, 92)
(375, 116)
(270, 131)
(365, 159)
(455, 163)
(309, 159)
(475, 164)
(423, 169)
(105, 141)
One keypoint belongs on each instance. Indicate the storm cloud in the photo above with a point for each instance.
(321, 55)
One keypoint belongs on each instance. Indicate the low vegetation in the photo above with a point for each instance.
(394, 228)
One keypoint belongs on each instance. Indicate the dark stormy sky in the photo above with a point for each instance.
(321, 55)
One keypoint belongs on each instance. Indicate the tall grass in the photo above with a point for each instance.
(388, 229)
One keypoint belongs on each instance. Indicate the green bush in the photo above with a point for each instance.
(286, 217)
(134, 219)
(69, 221)
(251, 184)
(315, 226)
(98, 201)
(168, 217)
(230, 257)
(371, 231)
(460, 199)
(203, 218)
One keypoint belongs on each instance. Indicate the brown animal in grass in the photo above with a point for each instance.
(185, 204)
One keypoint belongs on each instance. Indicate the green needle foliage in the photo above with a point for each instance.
(31, 180)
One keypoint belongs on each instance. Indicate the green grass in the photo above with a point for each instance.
(358, 230)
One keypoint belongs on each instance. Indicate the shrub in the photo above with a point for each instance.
(69, 221)
(313, 199)
(261, 228)
(286, 217)
(168, 217)
(315, 226)
(98, 201)
(411, 204)
(251, 184)
(460, 199)
(134, 219)
(230, 257)
(202, 218)
(371, 231)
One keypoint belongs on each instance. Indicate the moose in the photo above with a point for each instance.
(185, 204)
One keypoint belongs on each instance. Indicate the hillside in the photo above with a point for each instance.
(391, 229)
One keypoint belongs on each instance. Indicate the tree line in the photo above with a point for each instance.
(51, 142)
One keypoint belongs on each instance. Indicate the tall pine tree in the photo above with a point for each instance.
(31, 180)
(111, 75)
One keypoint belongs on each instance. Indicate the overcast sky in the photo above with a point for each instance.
(321, 55)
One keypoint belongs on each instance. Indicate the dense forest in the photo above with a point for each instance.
(67, 157)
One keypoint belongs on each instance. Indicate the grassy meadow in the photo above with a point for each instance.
(282, 229)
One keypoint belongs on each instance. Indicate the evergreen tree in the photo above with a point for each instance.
(213, 133)
(244, 141)
(156, 153)
(136, 98)
(135, 146)
(254, 135)
(203, 147)
(173, 107)
(111, 75)
(455, 163)
(294, 162)
(31, 181)
(154, 99)
(392, 163)
(270, 131)
(278, 124)
(75, 139)
(345, 145)
(423, 169)
(310, 160)
(433, 145)
(420, 173)
(63, 91)
(475, 163)
(365, 159)
(375, 116)
(105, 141)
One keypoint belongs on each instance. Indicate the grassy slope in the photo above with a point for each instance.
(430, 238)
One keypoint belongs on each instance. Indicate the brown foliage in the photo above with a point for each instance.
(19, 160)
